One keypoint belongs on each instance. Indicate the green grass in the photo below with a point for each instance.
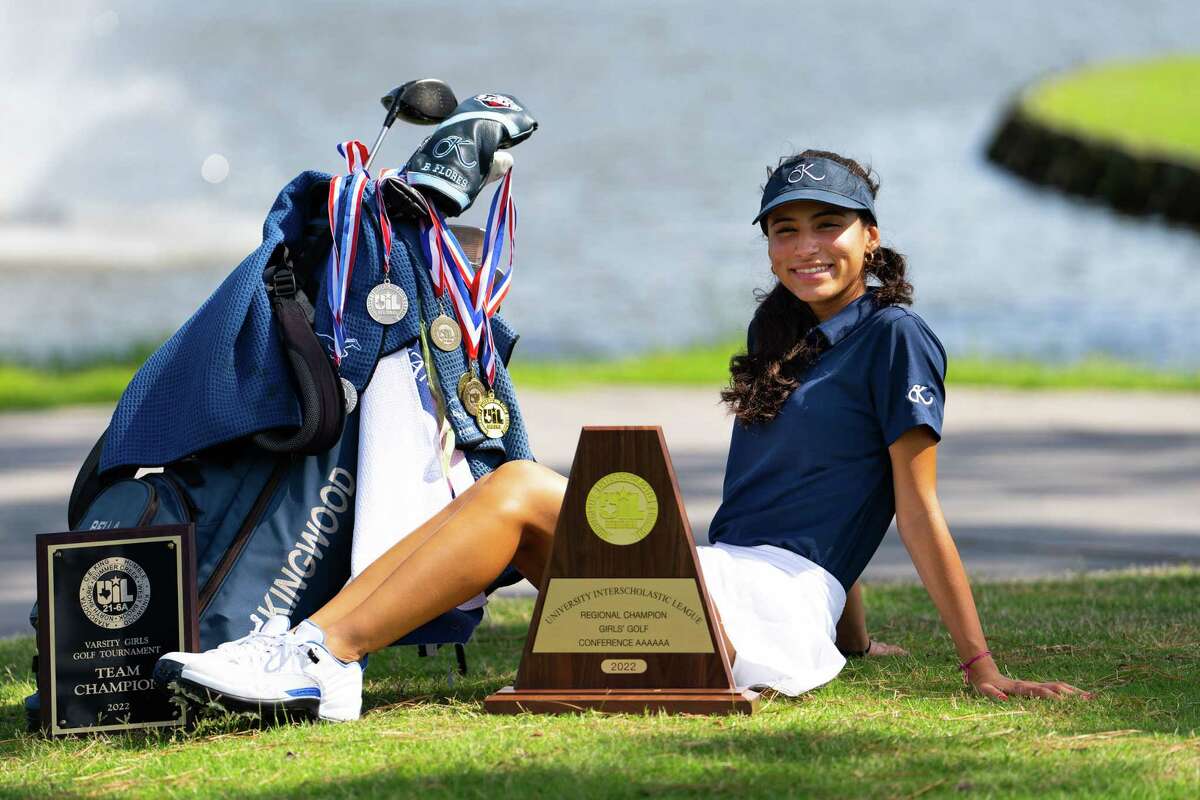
(709, 366)
(903, 727)
(1147, 106)
(23, 387)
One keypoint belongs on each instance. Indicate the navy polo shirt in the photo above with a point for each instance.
(817, 480)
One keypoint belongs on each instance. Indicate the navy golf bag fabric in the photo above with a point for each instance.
(274, 531)
(218, 378)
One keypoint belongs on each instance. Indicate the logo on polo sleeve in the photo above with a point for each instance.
(917, 395)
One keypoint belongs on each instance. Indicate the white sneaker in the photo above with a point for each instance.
(340, 683)
(170, 665)
(278, 675)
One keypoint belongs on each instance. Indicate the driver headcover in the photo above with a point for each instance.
(453, 164)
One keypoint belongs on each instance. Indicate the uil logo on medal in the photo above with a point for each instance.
(445, 333)
(471, 392)
(621, 508)
(114, 593)
(492, 417)
(387, 304)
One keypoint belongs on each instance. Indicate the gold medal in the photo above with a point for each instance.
(445, 333)
(471, 392)
(492, 416)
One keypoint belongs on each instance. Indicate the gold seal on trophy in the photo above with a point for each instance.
(471, 392)
(621, 508)
(492, 416)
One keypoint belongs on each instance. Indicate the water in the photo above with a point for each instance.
(635, 194)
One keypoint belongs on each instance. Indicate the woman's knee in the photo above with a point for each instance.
(527, 489)
(527, 477)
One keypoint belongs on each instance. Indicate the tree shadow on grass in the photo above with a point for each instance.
(756, 763)
(1153, 695)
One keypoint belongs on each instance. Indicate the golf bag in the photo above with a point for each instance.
(273, 504)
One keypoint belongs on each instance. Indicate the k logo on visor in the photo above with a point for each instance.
(803, 171)
(463, 150)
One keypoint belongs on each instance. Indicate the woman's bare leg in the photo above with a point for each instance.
(367, 581)
(508, 519)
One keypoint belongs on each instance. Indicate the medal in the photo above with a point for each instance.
(471, 392)
(350, 395)
(476, 292)
(492, 416)
(445, 333)
(387, 304)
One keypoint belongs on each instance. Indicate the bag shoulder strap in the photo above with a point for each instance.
(323, 412)
(89, 482)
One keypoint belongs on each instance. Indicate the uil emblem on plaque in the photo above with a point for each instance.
(621, 508)
(114, 593)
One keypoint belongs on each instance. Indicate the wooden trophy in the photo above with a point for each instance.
(623, 621)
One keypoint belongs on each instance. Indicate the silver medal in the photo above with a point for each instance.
(350, 394)
(387, 303)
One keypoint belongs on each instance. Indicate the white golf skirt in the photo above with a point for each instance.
(780, 611)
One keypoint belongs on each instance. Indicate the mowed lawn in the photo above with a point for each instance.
(902, 727)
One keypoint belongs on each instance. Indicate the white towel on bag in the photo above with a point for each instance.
(400, 479)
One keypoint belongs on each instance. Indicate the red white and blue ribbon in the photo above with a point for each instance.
(345, 214)
(501, 229)
(476, 295)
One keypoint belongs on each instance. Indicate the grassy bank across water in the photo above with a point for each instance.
(901, 727)
(1149, 107)
(23, 387)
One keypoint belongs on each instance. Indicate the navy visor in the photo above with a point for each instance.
(816, 179)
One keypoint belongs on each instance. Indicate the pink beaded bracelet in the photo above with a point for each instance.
(966, 665)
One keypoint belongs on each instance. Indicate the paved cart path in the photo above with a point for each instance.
(1032, 483)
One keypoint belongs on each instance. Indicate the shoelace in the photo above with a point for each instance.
(253, 639)
(287, 654)
(254, 648)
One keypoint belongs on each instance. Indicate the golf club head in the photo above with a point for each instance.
(427, 101)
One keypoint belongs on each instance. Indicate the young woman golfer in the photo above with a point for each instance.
(839, 403)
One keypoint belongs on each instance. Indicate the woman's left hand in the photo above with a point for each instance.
(993, 684)
(878, 648)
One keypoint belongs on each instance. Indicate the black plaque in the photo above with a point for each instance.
(111, 603)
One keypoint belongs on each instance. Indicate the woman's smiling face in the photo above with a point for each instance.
(817, 251)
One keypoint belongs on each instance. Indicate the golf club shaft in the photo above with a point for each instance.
(375, 147)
